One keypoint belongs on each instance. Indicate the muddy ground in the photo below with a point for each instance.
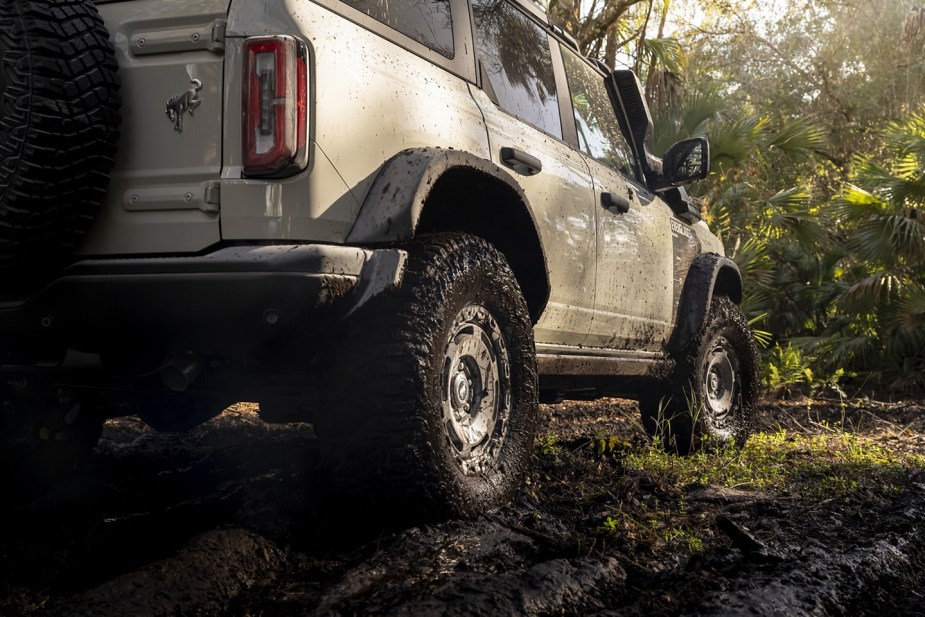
(231, 519)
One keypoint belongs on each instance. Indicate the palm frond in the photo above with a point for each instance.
(912, 308)
(731, 143)
(873, 241)
(799, 139)
(881, 287)
(666, 54)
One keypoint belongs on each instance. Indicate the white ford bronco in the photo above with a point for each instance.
(406, 222)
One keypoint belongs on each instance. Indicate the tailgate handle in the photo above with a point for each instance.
(521, 162)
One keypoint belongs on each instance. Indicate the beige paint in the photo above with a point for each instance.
(635, 277)
(156, 202)
(371, 99)
(561, 198)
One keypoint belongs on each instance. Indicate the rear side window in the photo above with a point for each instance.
(599, 133)
(514, 52)
(426, 21)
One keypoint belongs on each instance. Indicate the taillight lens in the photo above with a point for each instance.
(275, 106)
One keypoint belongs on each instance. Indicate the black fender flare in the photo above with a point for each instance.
(709, 274)
(395, 200)
(392, 209)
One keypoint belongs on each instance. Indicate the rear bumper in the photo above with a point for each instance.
(228, 301)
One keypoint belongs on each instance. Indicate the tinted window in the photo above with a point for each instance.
(599, 133)
(514, 52)
(426, 21)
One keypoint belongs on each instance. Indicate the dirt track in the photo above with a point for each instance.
(231, 519)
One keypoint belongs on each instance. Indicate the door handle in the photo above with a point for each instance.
(521, 162)
(618, 204)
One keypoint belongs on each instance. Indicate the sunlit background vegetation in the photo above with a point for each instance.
(815, 111)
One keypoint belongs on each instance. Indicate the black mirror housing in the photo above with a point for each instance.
(685, 162)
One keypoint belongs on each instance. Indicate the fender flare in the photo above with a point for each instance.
(709, 274)
(393, 208)
(393, 205)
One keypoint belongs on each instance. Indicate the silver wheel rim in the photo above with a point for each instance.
(476, 390)
(720, 382)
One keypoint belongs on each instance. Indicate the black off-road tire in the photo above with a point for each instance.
(59, 125)
(713, 388)
(392, 426)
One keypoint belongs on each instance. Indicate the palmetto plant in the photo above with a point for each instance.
(881, 292)
(772, 233)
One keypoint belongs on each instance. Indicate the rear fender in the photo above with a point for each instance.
(425, 190)
(392, 208)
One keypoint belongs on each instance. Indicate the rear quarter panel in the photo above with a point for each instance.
(370, 99)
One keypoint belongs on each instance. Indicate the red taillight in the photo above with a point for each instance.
(275, 106)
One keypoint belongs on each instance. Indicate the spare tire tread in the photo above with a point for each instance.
(59, 130)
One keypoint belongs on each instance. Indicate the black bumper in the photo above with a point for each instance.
(228, 301)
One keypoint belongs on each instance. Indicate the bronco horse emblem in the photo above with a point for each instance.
(186, 102)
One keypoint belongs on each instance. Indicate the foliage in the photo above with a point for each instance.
(834, 461)
(814, 112)
(879, 292)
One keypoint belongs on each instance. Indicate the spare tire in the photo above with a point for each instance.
(59, 124)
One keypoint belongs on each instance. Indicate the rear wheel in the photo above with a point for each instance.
(713, 388)
(432, 402)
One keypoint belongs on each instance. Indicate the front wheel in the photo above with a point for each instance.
(713, 388)
(431, 407)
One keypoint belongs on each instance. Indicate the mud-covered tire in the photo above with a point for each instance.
(394, 427)
(713, 388)
(59, 124)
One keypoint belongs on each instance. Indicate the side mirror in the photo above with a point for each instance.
(685, 162)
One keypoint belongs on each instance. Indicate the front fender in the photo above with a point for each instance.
(710, 274)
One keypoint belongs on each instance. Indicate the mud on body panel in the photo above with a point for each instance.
(369, 99)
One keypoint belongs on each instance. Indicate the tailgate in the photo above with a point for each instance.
(163, 196)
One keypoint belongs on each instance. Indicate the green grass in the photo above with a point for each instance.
(814, 469)
(831, 464)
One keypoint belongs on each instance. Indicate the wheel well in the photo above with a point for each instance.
(464, 199)
(728, 284)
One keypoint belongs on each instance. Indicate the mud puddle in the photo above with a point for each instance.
(231, 519)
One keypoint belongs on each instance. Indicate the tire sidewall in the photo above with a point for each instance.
(479, 283)
(728, 329)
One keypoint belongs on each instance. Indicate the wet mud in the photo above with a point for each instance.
(234, 518)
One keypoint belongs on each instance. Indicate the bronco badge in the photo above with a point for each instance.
(179, 105)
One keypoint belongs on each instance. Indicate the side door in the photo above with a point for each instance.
(634, 280)
(522, 111)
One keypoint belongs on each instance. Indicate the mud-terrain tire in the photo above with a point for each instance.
(59, 124)
(713, 387)
(394, 426)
